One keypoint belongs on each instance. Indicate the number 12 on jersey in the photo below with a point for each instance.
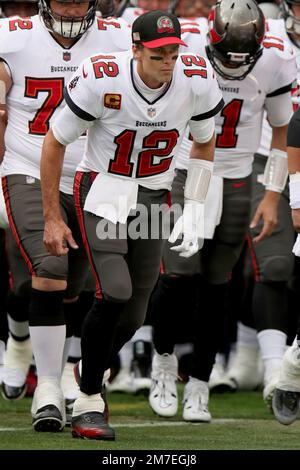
(146, 160)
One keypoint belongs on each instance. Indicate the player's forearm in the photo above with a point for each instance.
(203, 151)
(51, 167)
(279, 137)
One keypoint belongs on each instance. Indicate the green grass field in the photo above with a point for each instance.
(241, 421)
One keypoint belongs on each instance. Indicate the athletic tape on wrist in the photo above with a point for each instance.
(276, 172)
(198, 179)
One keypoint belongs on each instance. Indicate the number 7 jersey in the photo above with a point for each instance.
(130, 136)
(40, 67)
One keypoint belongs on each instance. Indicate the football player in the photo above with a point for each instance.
(286, 399)
(34, 85)
(272, 258)
(125, 165)
(240, 56)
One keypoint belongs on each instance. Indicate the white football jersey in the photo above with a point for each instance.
(238, 125)
(194, 34)
(40, 68)
(131, 13)
(130, 136)
(277, 28)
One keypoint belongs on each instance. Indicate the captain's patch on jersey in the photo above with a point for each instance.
(112, 101)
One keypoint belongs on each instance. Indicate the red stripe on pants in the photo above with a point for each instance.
(14, 228)
(77, 183)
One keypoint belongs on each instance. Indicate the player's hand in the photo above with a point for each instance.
(266, 213)
(191, 226)
(57, 237)
(296, 247)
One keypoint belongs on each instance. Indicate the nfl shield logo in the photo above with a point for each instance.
(66, 56)
(151, 112)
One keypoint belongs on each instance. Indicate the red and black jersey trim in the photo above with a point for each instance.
(211, 113)
(76, 110)
(14, 228)
(281, 91)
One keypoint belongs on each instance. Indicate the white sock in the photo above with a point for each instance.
(181, 349)
(66, 352)
(18, 329)
(272, 346)
(220, 359)
(75, 347)
(2, 351)
(144, 333)
(48, 346)
(85, 403)
(126, 355)
(247, 336)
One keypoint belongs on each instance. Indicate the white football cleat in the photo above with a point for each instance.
(17, 360)
(48, 406)
(69, 385)
(163, 397)
(270, 387)
(246, 369)
(123, 382)
(219, 380)
(286, 398)
(2, 352)
(289, 377)
(195, 401)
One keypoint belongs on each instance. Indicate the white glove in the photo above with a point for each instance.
(191, 226)
(296, 247)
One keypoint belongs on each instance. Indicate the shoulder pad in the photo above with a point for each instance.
(14, 33)
(195, 68)
(193, 25)
(112, 22)
(275, 26)
(277, 46)
(117, 30)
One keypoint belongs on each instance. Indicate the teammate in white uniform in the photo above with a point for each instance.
(247, 90)
(25, 9)
(136, 8)
(271, 260)
(187, 8)
(34, 83)
(159, 94)
(286, 399)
